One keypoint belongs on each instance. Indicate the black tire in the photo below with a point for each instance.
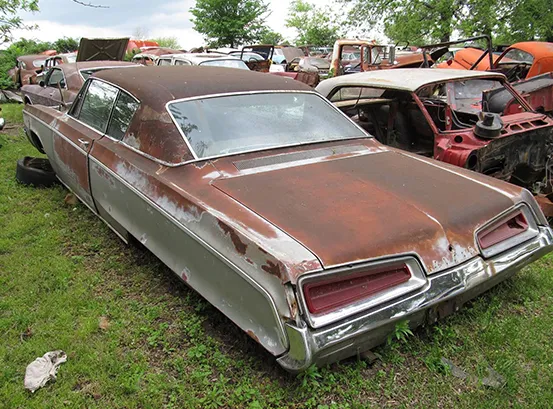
(36, 172)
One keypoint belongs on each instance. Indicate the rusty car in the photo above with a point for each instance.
(472, 119)
(27, 68)
(311, 236)
(518, 62)
(357, 55)
(62, 82)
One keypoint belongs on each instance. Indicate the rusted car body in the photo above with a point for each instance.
(70, 78)
(313, 237)
(518, 62)
(527, 65)
(27, 68)
(350, 56)
(467, 118)
(150, 56)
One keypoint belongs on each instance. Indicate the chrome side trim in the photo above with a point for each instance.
(202, 242)
(363, 133)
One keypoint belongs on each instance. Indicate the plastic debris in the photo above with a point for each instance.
(42, 369)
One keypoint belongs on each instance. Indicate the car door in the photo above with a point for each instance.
(50, 92)
(86, 122)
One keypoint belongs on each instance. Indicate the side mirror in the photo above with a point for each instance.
(42, 83)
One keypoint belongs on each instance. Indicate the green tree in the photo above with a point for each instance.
(427, 21)
(66, 45)
(168, 42)
(527, 20)
(269, 36)
(9, 19)
(229, 22)
(314, 25)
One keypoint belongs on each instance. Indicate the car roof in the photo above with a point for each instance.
(538, 49)
(156, 85)
(405, 79)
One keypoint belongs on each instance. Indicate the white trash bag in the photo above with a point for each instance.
(42, 369)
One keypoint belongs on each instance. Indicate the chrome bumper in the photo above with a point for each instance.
(366, 330)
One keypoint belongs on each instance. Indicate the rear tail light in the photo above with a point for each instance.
(504, 229)
(327, 295)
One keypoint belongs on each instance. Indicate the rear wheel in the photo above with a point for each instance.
(36, 172)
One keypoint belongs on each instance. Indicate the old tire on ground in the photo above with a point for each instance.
(36, 172)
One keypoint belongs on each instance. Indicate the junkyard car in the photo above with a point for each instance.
(150, 56)
(27, 68)
(466, 118)
(319, 65)
(203, 59)
(519, 61)
(65, 77)
(309, 234)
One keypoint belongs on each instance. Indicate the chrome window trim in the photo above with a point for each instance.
(511, 242)
(206, 245)
(417, 281)
(363, 133)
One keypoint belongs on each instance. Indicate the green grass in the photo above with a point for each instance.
(62, 270)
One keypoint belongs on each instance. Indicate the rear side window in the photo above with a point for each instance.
(124, 109)
(97, 104)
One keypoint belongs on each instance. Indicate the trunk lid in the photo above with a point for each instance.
(352, 209)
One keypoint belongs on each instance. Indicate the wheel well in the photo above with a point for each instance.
(36, 141)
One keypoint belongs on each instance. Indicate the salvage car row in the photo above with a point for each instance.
(278, 205)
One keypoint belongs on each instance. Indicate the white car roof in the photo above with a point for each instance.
(197, 58)
(405, 79)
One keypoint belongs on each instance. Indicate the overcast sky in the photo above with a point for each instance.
(164, 18)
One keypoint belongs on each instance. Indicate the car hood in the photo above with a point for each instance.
(102, 49)
(352, 209)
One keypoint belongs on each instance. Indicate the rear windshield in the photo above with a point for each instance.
(39, 63)
(241, 123)
(226, 63)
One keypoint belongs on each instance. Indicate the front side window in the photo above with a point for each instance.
(97, 104)
(56, 77)
(181, 62)
(241, 123)
(124, 110)
(164, 61)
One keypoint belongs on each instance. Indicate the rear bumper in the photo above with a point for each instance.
(444, 293)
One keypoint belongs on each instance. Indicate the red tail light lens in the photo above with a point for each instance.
(503, 230)
(327, 295)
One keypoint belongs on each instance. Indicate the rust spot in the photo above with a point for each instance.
(262, 250)
(238, 245)
(184, 276)
(249, 260)
(272, 268)
(252, 335)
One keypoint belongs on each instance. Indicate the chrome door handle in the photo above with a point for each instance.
(84, 143)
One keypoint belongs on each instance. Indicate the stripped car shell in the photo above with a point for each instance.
(258, 219)
(443, 113)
